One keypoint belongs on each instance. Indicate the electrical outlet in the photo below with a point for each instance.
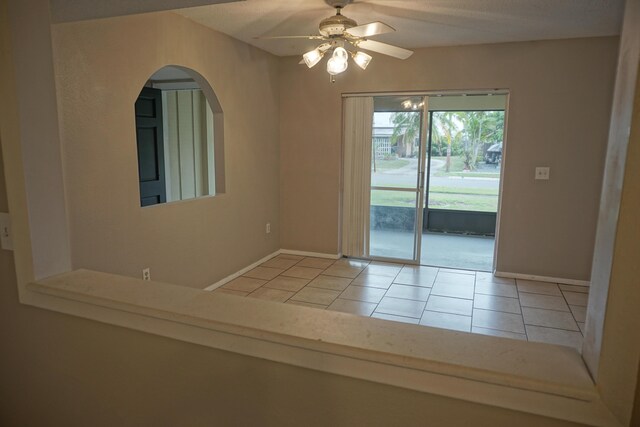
(6, 238)
(542, 172)
(146, 274)
(268, 228)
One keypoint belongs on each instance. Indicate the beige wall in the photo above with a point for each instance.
(100, 68)
(61, 370)
(38, 125)
(558, 116)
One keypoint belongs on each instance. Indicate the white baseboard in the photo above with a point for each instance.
(542, 278)
(313, 254)
(267, 258)
(241, 272)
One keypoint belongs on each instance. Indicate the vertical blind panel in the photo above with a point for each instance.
(357, 134)
(185, 141)
(198, 138)
(171, 131)
(190, 144)
(210, 158)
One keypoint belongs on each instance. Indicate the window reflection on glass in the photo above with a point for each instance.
(395, 149)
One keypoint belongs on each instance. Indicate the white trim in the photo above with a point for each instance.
(522, 376)
(265, 259)
(504, 274)
(241, 272)
(313, 254)
(564, 281)
(503, 159)
(429, 92)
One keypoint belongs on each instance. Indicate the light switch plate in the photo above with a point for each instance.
(542, 172)
(6, 240)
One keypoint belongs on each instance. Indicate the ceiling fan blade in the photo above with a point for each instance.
(372, 29)
(384, 48)
(290, 37)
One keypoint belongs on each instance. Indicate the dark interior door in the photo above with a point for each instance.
(150, 147)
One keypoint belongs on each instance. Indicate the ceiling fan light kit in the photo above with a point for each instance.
(339, 31)
(361, 59)
(338, 62)
(312, 57)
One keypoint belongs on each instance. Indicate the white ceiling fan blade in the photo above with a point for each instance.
(385, 49)
(372, 29)
(290, 37)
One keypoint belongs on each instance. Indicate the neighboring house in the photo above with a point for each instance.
(382, 141)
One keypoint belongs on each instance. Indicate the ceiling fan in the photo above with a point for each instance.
(341, 35)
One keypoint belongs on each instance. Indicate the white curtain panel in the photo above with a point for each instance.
(357, 135)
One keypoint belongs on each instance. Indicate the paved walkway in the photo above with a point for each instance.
(407, 176)
(438, 249)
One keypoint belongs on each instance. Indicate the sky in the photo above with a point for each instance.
(381, 120)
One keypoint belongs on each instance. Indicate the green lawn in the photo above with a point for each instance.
(464, 202)
(440, 197)
(457, 163)
(468, 199)
(393, 198)
(476, 191)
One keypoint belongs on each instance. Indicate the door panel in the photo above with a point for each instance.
(397, 177)
(150, 145)
(393, 224)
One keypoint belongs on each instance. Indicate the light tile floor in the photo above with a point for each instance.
(463, 300)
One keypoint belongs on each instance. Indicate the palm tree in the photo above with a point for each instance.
(446, 128)
(406, 129)
(479, 127)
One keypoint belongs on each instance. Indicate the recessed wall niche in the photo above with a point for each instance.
(179, 137)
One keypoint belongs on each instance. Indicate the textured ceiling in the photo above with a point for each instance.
(419, 23)
(78, 10)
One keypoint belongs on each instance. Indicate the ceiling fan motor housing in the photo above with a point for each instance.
(336, 25)
(338, 3)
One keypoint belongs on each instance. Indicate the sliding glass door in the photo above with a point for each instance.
(397, 177)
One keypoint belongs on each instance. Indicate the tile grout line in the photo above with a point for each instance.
(524, 325)
(559, 311)
(571, 311)
(350, 283)
(342, 291)
(429, 297)
(393, 282)
(387, 290)
(294, 293)
(473, 303)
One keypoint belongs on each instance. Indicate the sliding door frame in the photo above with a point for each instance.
(423, 174)
(418, 190)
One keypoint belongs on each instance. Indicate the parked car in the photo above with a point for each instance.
(493, 154)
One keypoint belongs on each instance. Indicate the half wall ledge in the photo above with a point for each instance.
(530, 377)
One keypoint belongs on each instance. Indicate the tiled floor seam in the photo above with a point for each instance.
(521, 313)
(557, 329)
(571, 311)
(385, 293)
(353, 265)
